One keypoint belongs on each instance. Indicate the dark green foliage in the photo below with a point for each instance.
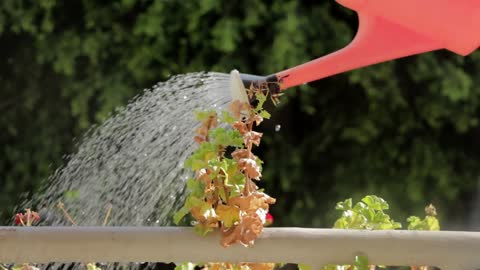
(404, 130)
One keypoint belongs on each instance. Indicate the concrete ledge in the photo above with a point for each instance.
(317, 247)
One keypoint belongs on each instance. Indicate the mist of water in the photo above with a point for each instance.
(133, 162)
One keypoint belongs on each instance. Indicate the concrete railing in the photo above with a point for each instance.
(317, 247)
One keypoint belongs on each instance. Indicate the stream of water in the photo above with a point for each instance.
(133, 162)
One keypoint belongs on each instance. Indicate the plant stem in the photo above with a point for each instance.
(65, 213)
(109, 211)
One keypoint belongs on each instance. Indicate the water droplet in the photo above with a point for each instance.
(149, 220)
(185, 97)
(277, 128)
(157, 221)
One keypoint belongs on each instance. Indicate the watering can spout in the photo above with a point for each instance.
(240, 82)
(390, 30)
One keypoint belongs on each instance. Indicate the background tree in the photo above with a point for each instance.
(405, 130)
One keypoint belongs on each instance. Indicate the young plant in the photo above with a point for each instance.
(223, 193)
(428, 223)
(368, 214)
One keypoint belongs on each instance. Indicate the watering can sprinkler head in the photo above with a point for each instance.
(241, 82)
(387, 30)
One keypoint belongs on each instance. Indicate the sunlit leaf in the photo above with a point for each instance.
(185, 266)
(228, 214)
(302, 266)
(375, 202)
(180, 214)
(345, 205)
(361, 263)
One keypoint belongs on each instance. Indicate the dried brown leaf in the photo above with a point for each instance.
(252, 137)
(250, 168)
(265, 197)
(202, 131)
(198, 139)
(249, 228)
(261, 266)
(241, 127)
(258, 119)
(240, 153)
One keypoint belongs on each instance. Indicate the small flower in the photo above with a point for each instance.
(19, 219)
(27, 219)
(268, 219)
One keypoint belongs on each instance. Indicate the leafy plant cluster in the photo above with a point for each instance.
(368, 214)
(223, 194)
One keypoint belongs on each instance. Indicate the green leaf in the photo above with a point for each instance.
(227, 117)
(429, 223)
(221, 136)
(375, 202)
(204, 115)
(236, 190)
(222, 194)
(233, 176)
(361, 263)
(195, 187)
(201, 156)
(345, 205)
(185, 266)
(265, 114)
(302, 266)
(432, 223)
(202, 229)
(92, 266)
(414, 223)
(180, 214)
(261, 98)
(228, 214)
(341, 223)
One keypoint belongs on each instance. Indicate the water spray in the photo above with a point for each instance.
(387, 30)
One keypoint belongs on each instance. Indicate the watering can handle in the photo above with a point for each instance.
(393, 29)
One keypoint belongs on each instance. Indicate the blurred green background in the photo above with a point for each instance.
(406, 130)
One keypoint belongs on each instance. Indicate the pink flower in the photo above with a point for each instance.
(27, 219)
(268, 219)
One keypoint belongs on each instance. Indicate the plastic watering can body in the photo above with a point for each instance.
(391, 29)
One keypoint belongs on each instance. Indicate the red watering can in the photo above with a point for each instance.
(388, 29)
